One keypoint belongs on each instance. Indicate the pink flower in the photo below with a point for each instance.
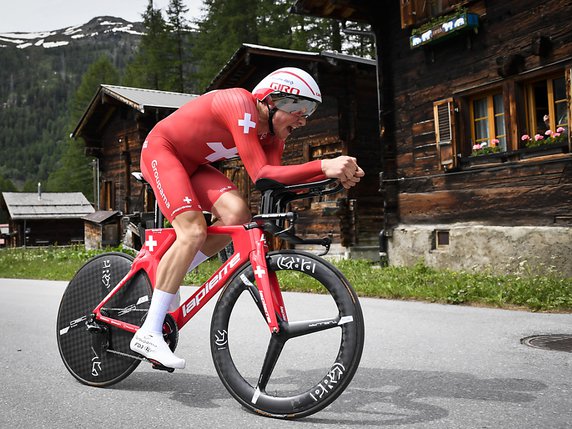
(555, 135)
(560, 130)
(525, 137)
(476, 146)
(538, 137)
(548, 133)
(494, 142)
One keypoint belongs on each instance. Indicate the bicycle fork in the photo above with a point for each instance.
(267, 283)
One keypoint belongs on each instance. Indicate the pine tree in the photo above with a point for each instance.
(150, 68)
(227, 24)
(74, 173)
(5, 186)
(101, 71)
(177, 37)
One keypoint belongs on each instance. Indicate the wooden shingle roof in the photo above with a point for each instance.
(246, 63)
(139, 99)
(49, 205)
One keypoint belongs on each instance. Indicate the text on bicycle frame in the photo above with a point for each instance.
(207, 287)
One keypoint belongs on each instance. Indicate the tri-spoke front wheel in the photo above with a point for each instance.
(308, 364)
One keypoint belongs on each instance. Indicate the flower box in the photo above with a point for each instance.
(491, 158)
(547, 149)
(443, 29)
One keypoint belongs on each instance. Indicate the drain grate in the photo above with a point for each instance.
(558, 342)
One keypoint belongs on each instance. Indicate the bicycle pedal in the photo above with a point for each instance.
(158, 366)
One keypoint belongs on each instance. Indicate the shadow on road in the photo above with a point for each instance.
(376, 397)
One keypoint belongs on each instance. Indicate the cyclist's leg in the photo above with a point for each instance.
(179, 203)
(148, 341)
(219, 195)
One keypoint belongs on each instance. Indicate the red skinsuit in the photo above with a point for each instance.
(218, 125)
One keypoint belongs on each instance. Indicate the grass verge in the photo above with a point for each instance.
(546, 292)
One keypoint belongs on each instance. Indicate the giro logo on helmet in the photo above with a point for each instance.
(285, 88)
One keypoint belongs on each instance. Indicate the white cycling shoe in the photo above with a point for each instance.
(154, 347)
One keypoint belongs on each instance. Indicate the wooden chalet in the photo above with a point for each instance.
(41, 219)
(344, 124)
(114, 127)
(462, 85)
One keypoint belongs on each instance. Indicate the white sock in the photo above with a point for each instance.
(200, 257)
(156, 316)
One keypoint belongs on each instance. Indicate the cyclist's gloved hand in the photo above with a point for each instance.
(344, 168)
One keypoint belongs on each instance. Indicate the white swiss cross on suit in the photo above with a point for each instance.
(246, 123)
(221, 152)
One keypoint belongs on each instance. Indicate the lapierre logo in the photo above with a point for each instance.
(207, 287)
(158, 182)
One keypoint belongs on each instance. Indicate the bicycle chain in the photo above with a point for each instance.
(115, 352)
(142, 359)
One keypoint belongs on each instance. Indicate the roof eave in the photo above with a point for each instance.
(99, 98)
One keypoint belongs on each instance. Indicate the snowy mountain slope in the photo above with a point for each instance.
(100, 27)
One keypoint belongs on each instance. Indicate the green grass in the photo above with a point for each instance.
(546, 292)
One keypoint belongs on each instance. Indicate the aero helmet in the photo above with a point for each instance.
(291, 90)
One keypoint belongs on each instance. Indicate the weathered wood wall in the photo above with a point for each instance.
(520, 189)
(43, 232)
(122, 140)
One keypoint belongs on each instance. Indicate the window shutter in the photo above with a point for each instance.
(569, 99)
(444, 113)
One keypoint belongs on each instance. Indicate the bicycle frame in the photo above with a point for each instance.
(249, 245)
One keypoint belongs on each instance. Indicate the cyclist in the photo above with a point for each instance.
(176, 158)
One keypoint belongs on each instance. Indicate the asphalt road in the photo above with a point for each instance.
(424, 366)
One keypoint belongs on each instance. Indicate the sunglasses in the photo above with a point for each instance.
(294, 104)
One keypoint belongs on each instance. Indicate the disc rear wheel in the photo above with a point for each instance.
(97, 354)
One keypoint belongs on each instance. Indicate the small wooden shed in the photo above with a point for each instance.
(102, 229)
(41, 219)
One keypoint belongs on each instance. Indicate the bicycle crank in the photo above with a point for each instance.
(154, 364)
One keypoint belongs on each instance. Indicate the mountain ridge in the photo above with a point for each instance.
(40, 73)
(98, 27)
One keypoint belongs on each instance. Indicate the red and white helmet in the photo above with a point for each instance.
(291, 89)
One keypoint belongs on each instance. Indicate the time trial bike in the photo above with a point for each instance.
(254, 326)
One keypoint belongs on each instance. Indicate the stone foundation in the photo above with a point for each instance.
(473, 247)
